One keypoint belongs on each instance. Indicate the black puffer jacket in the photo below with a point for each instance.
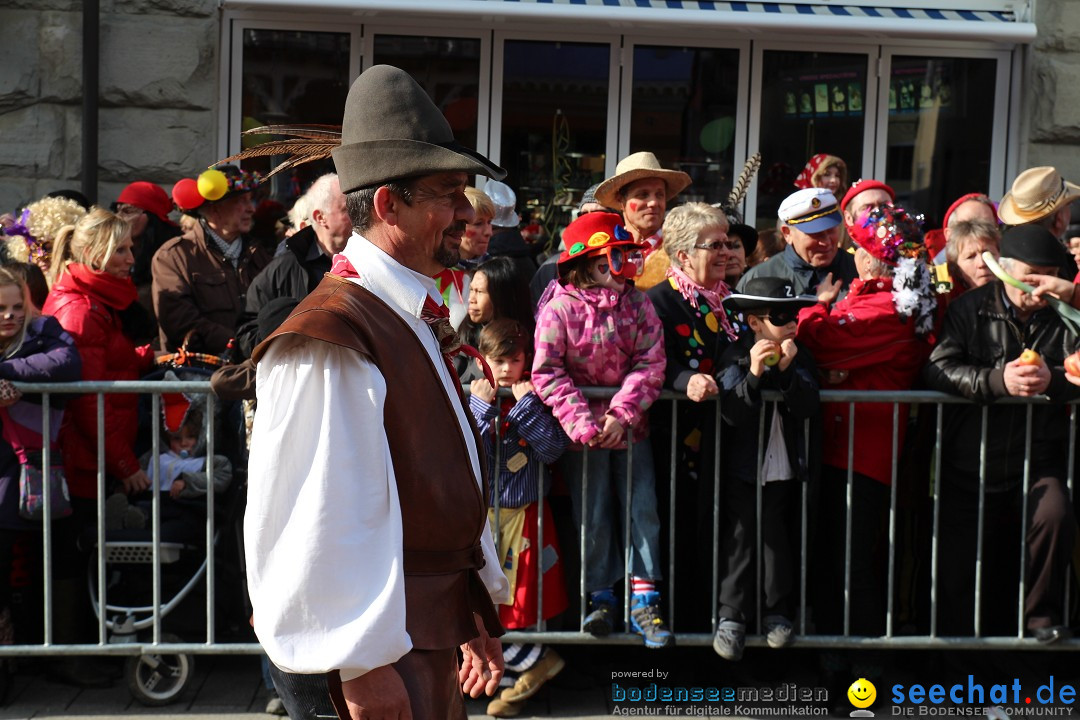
(982, 334)
(294, 273)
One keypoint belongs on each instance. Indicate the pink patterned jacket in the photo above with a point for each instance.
(599, 337)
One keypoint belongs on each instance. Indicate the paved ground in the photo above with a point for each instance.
(230, 687)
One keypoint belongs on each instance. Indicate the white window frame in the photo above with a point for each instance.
(742, 91)
(232, 66)
(497, 60)
(999, 143)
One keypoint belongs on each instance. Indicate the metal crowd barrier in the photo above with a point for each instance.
(210, 644)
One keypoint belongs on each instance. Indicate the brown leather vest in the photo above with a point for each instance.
(442, 509)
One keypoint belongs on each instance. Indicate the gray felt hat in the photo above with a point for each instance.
(391, 130)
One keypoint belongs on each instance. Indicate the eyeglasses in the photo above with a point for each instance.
(715, 245)
(780, 317)
(622, 262)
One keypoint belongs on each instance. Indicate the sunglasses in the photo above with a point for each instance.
(717, 244)
(622, 262)
(780, 317)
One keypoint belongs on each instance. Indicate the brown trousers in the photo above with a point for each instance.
(431, 679)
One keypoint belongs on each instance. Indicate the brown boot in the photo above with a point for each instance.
(501, 708)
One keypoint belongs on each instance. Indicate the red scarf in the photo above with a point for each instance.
(118, 293)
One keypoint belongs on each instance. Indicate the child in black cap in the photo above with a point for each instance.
(767, 358)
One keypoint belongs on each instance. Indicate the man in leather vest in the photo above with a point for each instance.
(369, 558)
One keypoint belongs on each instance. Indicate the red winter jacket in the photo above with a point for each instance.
(864, 336)
(86, 305)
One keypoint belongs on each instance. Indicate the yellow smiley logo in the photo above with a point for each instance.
(862, 693)
(598, 239)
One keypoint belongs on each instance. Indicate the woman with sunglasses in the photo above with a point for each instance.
(596, 329)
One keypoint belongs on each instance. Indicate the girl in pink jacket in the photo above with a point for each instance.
(595, 329)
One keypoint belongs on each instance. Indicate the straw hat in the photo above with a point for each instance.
(636, 167)
(1036, 193)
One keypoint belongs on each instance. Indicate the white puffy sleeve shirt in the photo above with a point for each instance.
(323, 531)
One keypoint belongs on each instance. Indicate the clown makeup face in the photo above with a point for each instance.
(600, 274)
(643, 207)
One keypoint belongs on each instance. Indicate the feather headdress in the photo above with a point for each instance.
(738, 190)
(307, 143)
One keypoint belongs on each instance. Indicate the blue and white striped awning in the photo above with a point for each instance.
(997, 20)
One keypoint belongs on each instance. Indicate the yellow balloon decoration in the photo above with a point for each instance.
(213, 184)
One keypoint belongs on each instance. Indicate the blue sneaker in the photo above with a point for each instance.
(645, 620)
(601, 621)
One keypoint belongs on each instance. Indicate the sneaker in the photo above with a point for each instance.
(601, 621)
(778, 631)
(730, 639)
(530, 681)
(645, 620)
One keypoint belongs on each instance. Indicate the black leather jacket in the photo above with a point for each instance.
(981, 334)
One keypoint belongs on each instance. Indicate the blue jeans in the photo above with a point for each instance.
(605, 501)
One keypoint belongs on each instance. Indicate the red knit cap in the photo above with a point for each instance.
(861, 186)
(149, 197)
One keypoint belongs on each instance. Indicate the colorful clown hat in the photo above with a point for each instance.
(890, 234)
(591, 233)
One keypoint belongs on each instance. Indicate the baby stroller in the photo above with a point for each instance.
(134, 584)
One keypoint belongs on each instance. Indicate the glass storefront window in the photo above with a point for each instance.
(447, 68)
(554, 120)
(683, 110)
(941, 122)
(292, 77)
(810, 103)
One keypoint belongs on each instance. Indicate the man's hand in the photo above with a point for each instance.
(788, 350)
(481, 663)
(828, 290)
(701, 386)
(521, 389)
(378, 694)
(610, 435)
(482, 389)
(135, 483)
(1026, 380)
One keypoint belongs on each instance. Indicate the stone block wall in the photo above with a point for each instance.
(158, 83)
(1052, 97)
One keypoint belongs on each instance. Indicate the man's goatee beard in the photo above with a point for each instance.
(447, 257)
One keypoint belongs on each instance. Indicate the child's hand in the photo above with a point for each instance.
(828, 291)
(762, 351)
(701, 386)
(521, 389)
(176, 488)
(482, 389)
(788, 351)
(610, 435)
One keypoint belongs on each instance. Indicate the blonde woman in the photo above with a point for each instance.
(91, 286)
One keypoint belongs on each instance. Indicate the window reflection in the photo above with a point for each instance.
(292, 77)
(447, 68)
(810, 103)
(683, 110)
(554, 120)
(941, 120)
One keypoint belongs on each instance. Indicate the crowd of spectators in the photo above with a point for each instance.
(844, 291)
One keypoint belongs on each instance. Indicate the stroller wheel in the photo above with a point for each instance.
(160, 678)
